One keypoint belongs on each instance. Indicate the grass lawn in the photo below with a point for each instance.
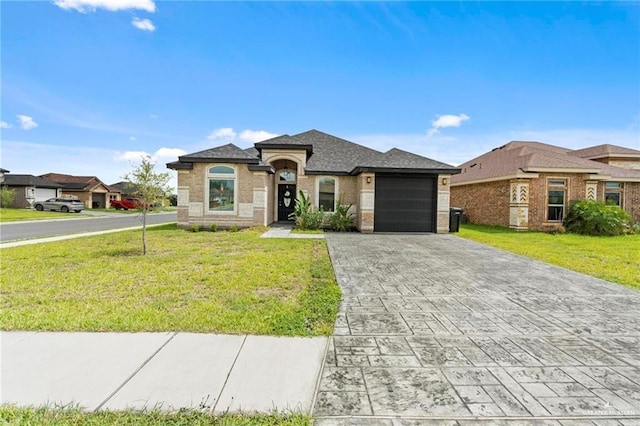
(15, 215)
(223, 282)
(615, 259)
(11, 415)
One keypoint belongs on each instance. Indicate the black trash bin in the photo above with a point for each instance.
(455, 217)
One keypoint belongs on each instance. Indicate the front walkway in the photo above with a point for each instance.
(437, 327)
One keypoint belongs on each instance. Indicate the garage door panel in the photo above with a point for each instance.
(43, 194)
(404, 203)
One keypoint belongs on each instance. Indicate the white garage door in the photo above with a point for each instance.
(43, 194)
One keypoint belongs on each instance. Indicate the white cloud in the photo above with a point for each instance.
(143, 24)
(133, 138)
(130, 155)
(256, 135)
(447, 120)
(5, 125)
(170, 153)
(84, 6)
(222, 133)
(27, 122)
(161, 154)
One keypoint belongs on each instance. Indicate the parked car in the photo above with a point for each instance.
(65, 205)
(129, 203)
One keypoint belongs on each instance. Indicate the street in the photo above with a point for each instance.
(12, 231)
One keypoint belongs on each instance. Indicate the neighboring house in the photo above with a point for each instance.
(125, 189)
(30, 189)
(2, 173)
(89, 189)
(529, 185)
(395, 191)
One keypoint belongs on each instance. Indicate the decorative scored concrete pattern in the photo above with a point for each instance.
(435, 327)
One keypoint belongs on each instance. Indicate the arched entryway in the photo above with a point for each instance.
(285, 182)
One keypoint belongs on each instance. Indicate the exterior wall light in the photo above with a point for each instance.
(444, 180)
(368, 179)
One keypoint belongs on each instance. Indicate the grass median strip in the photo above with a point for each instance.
(225, 282)
(12, 415)
(615, 259)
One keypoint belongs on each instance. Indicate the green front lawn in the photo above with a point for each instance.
(224, 282)
(15, 215)
(615, 259)
(11, 415)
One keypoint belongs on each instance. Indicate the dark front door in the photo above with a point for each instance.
(286, 201)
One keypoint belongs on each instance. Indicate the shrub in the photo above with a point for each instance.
(7, 196)
(341, 220)
(195, 228)
(233, 228)
(589, 217)
(305, 216)
(213, 227)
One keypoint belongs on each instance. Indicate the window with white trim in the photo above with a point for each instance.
(613, 193)
(327, 194)
(556, 198)
(221, 185)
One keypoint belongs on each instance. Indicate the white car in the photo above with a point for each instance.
(65, 205)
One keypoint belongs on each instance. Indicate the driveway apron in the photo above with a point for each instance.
(438, 327)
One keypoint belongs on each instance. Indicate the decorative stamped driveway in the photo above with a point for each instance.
(436, 327)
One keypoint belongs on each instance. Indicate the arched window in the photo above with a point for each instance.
(221, 189)
(327, 194)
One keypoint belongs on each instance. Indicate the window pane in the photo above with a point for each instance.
(287, 176)
(556, 183)
(326, 194)
(613, 185)
(221, 170)
(556, 197)
(221, 194)
(555, 213)
(612, 198)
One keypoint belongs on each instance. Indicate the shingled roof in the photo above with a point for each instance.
(74, 183)
(29, 180)
(326, 154)
(517, 158)
(226, 153)
(606, 150)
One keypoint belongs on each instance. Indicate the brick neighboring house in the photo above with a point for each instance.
(30, 189)
(89, 189)
(394, 191)
(529, 185)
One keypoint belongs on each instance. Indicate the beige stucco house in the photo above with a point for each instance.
(394, 191)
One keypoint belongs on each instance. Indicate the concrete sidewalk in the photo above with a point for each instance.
(115, 371)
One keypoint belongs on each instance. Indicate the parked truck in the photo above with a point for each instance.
(129, 203)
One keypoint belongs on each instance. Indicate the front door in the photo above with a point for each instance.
(286, 201)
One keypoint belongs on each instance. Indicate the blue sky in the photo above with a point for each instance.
(88, 85)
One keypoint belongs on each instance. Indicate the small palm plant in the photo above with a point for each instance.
(305, 216)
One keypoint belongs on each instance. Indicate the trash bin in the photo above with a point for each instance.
(455, 217)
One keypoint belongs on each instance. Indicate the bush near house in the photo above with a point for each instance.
(341, 220)
(305, 215)
(588, 217)
(7, 196)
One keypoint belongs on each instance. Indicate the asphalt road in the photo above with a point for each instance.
(12, 231)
